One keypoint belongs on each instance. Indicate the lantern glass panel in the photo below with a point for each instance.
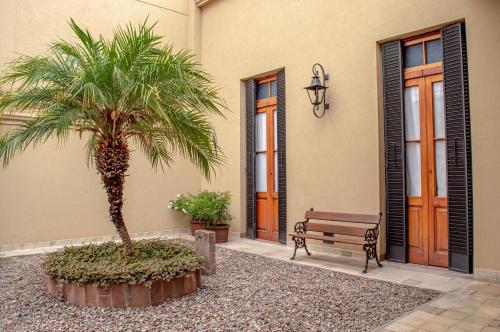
(316, 96)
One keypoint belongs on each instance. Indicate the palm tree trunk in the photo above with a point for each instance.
(112, 161)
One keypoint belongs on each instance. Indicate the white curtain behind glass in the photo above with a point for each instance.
(439, 132)
(261, 156)
(412, 132)
(412, 113)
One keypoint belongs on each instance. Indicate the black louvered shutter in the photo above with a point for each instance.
(394, 152)
(281, 119)
(456, 97)
(250, 162)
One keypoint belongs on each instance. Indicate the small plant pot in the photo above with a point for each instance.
(221, 233)
(196, 225)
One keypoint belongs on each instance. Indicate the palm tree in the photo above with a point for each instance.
(114, 91)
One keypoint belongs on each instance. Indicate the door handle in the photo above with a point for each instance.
(435, 203)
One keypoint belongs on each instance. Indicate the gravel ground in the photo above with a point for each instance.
(249, 292)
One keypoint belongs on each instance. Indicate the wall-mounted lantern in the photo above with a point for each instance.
(317, 90)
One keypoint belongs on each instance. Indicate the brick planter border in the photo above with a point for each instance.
(125, 295)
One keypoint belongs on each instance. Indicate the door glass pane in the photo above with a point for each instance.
(433, 51)
(437, 97)
(412, 113)
(274, 89)
(414, 56)
(440, 155)
(276, 171)
(275, 130)
(262, 91)
(261, 172)
(260, 132)
(413, 175)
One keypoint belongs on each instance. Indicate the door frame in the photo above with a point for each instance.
(419, 76)
(250, 191)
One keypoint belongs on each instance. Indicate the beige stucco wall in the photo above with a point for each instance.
(336, 163)
(50, 193)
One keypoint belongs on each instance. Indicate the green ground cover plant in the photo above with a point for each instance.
(109, 263)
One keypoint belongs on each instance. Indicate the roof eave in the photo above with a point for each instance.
(201, 3)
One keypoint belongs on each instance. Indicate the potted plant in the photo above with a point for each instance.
(215, 205)
(208, 209)
(183, 204)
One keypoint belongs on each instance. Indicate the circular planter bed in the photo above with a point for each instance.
(104, 275)
(221, 232)
(125, 295)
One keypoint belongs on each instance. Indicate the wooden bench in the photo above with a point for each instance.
(330, 233)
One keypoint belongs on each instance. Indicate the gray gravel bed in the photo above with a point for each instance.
(248, 293)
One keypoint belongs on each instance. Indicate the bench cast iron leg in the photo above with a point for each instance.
(299, 243)
(371, 252)
(305, 247)
(295, 251)
(376, 257)
(365, 248)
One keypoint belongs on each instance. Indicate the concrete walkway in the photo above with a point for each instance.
(467, 304)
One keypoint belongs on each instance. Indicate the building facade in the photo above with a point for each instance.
(410, 131)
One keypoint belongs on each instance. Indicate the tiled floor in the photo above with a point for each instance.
(466, 304)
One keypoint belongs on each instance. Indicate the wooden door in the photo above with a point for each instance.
(437, 179)
(425, 150)
(426, 171)
(416, 164)
(266, 160)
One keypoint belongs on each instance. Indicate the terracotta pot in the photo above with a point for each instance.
(221, 232)
(196, 225)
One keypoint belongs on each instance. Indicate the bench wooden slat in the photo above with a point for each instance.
(336, 229)
(330, 238)
(350, 217)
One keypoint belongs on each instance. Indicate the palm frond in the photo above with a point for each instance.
(53, 124)
(128, 87)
